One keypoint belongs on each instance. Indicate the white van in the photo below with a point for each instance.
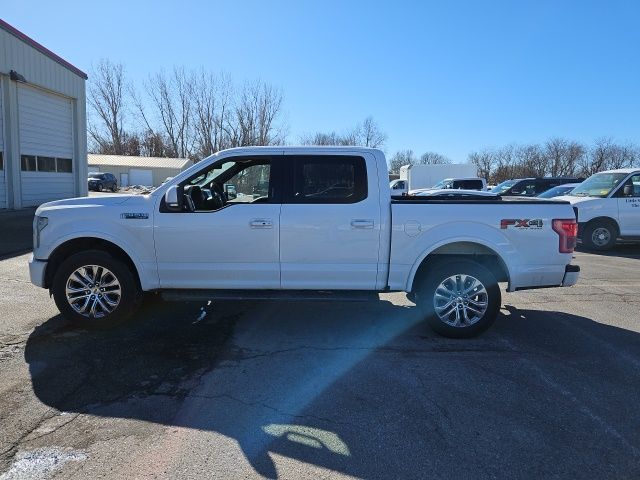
(607, 207)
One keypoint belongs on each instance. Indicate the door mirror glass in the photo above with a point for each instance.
(171, 199)
(230, 191)
(628, 190)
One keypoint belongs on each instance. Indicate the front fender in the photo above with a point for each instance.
(138, 247)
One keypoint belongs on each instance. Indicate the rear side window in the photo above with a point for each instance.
(472, 184)
(329, 179)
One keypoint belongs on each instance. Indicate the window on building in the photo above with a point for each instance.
(65, 165)
(1, 161)
(46, 164)
(28, 163)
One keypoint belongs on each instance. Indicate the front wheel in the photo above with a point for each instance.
(459, 299)
(600, 235)
(95, 290)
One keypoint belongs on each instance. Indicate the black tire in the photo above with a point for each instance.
(100, 188)
(439, 273)
(129, 292)
(114, 188)
(600, 235)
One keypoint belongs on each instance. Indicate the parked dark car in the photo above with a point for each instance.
(102, 181)
(531, 187)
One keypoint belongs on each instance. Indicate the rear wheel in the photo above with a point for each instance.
(114, 188)
(95, 290)
(459, 299)
(600, 235)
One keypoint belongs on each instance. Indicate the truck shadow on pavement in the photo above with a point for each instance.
(363, 390)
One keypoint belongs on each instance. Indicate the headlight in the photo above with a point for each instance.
(41, 222)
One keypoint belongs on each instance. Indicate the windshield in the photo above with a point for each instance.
(598, 185)
(555, 192)
(212, 174)
(442, 184)
(94, 175)
(504, 186)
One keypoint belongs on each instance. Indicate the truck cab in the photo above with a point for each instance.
(607, 207)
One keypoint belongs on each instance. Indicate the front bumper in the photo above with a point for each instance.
(36, 271)
(571, 274)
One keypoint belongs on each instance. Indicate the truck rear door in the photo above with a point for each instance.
(330, 223)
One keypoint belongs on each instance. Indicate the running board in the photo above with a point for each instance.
(282, 295)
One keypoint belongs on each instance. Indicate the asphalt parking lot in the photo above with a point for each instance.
(335, 390)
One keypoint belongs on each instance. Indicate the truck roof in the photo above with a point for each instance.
(263, 150)
(622, 170)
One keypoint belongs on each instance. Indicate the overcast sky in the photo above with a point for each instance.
(444, 76)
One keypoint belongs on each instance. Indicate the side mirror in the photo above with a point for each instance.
(230, 191)
(171, 199)
(627, 191)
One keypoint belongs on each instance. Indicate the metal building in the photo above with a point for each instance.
(43, 130)
(130, 170)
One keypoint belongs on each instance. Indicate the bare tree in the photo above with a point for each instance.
(255, 116)
(211, 107)
(107, 108)
(370, 134)
(433, 158)
(484, 162)
(171, 102)
(400, 159)
(365, 134)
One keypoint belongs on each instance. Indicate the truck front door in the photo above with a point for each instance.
(330, 223)
(629, 207)
(228, 235)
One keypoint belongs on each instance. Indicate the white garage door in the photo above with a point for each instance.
(3, 160)
(141, 177)
(46, 146)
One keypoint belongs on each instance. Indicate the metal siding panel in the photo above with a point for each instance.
(3, 176)
(41, 187)
(45, 128)
(45, 123)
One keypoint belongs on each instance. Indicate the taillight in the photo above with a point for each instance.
(568, 231)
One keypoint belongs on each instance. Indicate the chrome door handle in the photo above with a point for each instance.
(362, 223)
(261, 223)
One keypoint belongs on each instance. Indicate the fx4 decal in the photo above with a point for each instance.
(535, 224)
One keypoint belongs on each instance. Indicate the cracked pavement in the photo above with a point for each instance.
(326, 390)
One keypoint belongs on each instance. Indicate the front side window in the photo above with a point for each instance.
(329, 179)
(632, 187)
(243, 180)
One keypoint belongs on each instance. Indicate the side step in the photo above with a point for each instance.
(282, 295)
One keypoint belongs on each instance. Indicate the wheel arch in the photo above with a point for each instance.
(461, 249)
(78, 244)
(602, 218)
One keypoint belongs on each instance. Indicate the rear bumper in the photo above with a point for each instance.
(36, 271)
(571, 274)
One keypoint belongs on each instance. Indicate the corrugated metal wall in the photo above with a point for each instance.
(44, 73)
(159, 174)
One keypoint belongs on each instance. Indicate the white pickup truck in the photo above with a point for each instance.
(299, 223)
(607, 207)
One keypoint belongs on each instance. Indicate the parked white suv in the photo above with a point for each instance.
(607, 207)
